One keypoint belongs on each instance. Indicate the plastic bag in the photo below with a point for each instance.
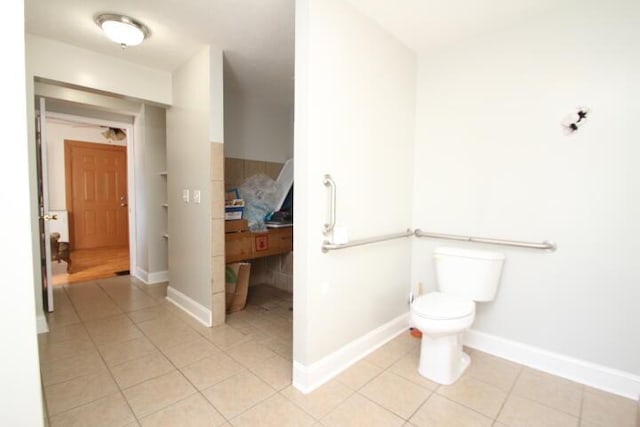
(260, 194)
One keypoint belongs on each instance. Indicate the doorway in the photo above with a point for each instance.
(89, 186)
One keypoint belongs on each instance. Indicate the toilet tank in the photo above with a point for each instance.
(468, 273)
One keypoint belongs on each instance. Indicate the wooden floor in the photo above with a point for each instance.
(91, 264)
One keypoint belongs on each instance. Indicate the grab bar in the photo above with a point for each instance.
(546, 245)
(328, 246)
(330, 183)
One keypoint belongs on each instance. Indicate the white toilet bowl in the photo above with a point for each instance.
(442, 319)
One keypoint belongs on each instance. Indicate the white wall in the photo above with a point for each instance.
(54, 60)
(190, 125)
(355, 104)
(491, 160)
(256, 129)
(21, 403)
(56, 134)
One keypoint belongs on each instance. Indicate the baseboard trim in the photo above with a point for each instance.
(307, 378)
(199, 312)
(157, 277)
(141, 274)
(41, 324)
(151, 278)
(594, 375)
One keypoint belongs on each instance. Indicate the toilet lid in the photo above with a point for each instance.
(437, 305)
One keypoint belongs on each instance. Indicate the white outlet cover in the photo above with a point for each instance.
(196, 196)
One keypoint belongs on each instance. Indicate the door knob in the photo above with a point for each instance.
(49, 217)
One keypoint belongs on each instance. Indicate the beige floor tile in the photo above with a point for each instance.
(493, 370)
(358, 411)
(396, 394)
(117, 352)
(185, 354)
(158, 393)
(52, 351)
(211, 370)
(552, 391)
(407, 367)
(250, 353)
(439, 411)
(276, 411)
(225, 337)
(72, 367)
(519, 412)
(321, 401)
(77, 392)
(388, 354)
(281, 348)
(139, 370)
(606, 409)
(97, 311)
(108, 411)
(65, 333)
(237, 394)
(193, 411)
(110, 329)
(476, 395)
(173, 337)
(356, 376)
(275, 371)
(151, 313)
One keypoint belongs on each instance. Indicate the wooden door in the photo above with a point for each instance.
(96, 178)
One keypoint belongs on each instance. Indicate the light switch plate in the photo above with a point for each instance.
(196, 196)
(185, 195)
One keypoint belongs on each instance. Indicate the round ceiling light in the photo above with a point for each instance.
(122, 29)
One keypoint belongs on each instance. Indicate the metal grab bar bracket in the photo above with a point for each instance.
(547, 245)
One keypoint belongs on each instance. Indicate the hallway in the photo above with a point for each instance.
(91, 264)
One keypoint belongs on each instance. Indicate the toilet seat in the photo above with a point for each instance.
(442, 306)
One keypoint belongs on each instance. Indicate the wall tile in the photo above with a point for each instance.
(217, 274)
(218, 305)
(217, 161)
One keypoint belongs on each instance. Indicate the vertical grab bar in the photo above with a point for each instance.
(330, 183)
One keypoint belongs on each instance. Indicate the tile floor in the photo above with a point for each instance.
(118, 354)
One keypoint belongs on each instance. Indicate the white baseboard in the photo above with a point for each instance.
(41, 324)
(591, 374)
(151, 278)
(308, 378)
(199, 312)
(157, 277)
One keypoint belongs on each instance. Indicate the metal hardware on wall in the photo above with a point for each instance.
(330, 183)
(546, 245)
(574, 120)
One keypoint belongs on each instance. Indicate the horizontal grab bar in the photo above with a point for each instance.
(328, 246)
(546, 245)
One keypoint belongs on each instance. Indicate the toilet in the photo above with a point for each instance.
(463, 276)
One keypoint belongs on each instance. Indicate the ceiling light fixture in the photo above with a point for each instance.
(122, 29)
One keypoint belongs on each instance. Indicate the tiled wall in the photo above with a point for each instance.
(237, 170)
(217, 234)
(275, 270)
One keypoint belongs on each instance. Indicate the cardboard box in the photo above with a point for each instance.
(234, 226)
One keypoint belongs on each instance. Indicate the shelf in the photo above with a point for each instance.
(165, 205)
(163, 173)
(166, 236)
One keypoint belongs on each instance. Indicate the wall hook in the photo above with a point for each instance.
(574, 120)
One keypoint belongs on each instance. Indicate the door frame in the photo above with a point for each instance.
(130, 129)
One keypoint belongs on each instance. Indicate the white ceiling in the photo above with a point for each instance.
(424, 25)
(257, 36)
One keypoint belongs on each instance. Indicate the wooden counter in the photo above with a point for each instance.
(246, 245)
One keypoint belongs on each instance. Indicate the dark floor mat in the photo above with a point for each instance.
(122, 273)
